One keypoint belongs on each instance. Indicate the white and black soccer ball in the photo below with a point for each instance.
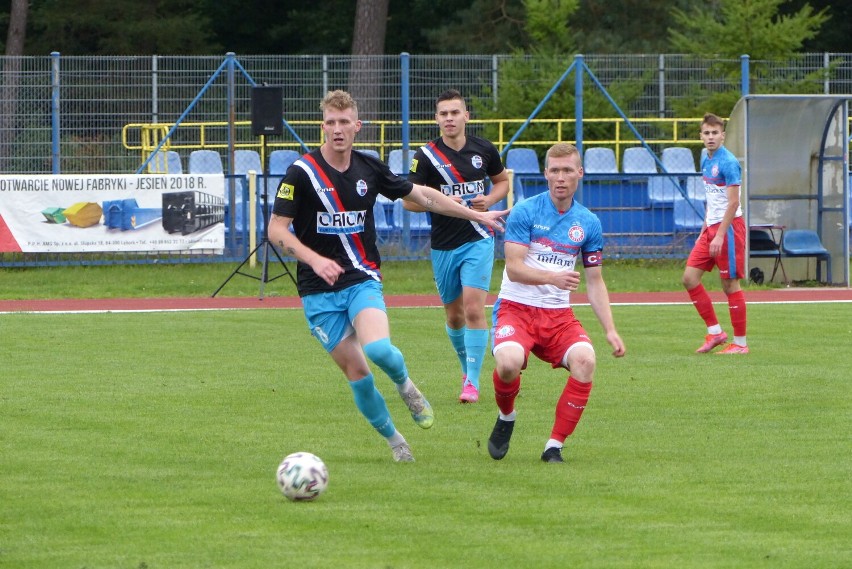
(302, 476)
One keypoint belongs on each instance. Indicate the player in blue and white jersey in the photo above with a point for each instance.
(546, 237)
(328, 196)
(462, 251)
(721, 242)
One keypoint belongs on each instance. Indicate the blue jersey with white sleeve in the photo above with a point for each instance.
(720, 171)
(555, 240)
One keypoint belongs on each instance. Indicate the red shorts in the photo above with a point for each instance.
(730, 260)
(549, 333)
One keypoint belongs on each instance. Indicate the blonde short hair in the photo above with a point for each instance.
(339, 100)
(559, 150)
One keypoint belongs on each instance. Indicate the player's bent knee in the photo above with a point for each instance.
(509, 360)
(580, 359)
(384, 354)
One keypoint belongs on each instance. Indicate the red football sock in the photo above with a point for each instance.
(569, 408)
(737, 308)
(703, 304)
(505, 393)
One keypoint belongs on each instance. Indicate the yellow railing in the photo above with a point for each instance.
(144, 137)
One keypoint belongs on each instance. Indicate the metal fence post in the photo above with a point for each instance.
(578, 100)
(405, 106)
(54, 112)
(154, 91)
(662, 85)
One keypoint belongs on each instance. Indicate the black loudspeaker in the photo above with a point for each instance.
(267, 110)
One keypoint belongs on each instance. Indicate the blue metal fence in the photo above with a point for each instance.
(67, 115)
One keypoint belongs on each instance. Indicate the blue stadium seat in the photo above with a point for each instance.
(678, 160)
(638, 160)
(418, 221)
(370, 152)
(599, 160)
(166, 162)
(280, 160)
(523, 161)
(806, 243)
(384, 229)
(395, 161)
(525, 168)
(665, 189)
(245, 160)
(688, 215)
(205, 162)
(602, 187)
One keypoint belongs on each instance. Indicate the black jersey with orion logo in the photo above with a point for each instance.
(461, 173)
(332, 214)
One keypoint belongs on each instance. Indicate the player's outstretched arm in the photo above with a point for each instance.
(433, 200)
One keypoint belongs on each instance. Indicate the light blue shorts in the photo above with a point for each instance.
(330, 314)
(468, 265)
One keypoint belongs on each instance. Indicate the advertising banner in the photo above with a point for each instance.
(93, 213)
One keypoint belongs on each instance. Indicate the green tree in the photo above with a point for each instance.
(753, 27)
(119, 27)
(525, 79)
(477, 26)
(834, 34)
(625, 26)
(757, 28)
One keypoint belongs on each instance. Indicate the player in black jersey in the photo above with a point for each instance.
(328, 196)
(462, 251)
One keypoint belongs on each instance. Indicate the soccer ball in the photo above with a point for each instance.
(302, 476)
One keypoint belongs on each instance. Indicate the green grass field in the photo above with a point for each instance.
(151, 440)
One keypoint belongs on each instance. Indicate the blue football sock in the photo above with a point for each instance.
(389, 358)
(457, 340)
(476, 342)
(372, 405)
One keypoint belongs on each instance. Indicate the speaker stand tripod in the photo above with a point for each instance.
(264, 244)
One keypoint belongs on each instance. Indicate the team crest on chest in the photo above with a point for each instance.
(476, 161)
(361, 188)
(714, 170)
(576, 234)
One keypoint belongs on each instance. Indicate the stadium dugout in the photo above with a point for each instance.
(793, 152)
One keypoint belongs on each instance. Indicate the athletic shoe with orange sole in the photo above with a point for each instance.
(711, 341)
(733, 349)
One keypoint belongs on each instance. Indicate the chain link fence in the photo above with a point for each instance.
(70, 115)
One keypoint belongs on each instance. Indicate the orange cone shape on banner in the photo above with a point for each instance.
(83, 214)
